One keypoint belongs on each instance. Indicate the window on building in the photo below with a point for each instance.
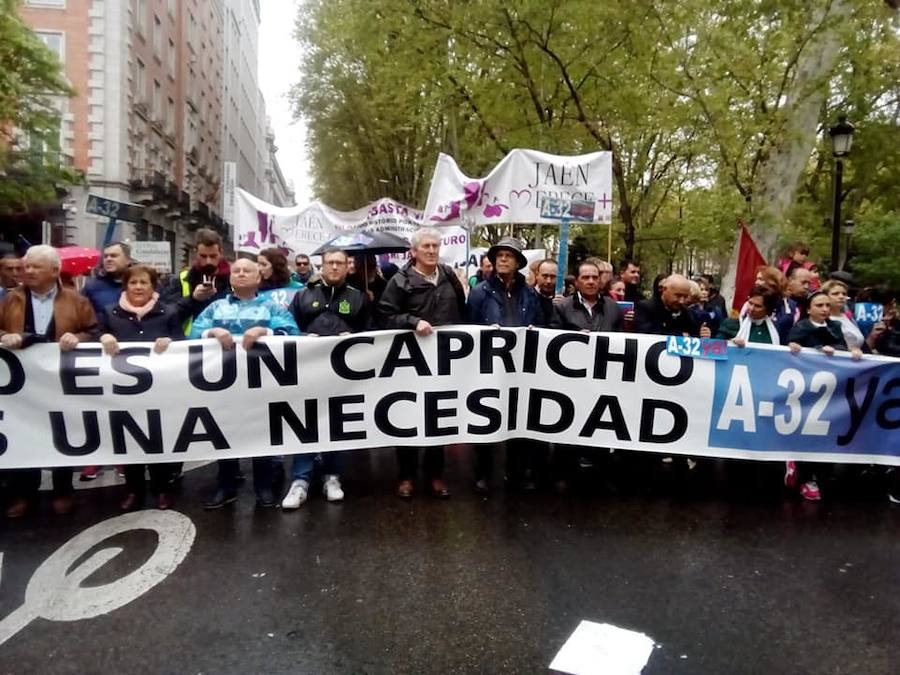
(157, 100)
(139, 157)
(170, 107)
(140, 16)
(157, 37)
(55, 42)
(45, 3)
(140, 82)
(192, 30)
(170, 59)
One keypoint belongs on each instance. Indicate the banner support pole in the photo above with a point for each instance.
(563, 255)
(609, 244)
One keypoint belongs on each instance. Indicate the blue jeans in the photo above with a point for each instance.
(302, 468)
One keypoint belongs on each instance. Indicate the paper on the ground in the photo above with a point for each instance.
(603, 649)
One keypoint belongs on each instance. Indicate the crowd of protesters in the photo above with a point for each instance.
(248, 299)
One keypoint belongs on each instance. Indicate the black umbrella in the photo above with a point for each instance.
(364, 241)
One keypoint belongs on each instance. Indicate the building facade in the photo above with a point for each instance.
(153, 119)
(278, 190)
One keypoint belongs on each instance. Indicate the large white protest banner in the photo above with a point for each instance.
(462, 384)
(514, 189)
(302, 229)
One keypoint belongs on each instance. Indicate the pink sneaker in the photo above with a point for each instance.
(790, 474)
(810, 491)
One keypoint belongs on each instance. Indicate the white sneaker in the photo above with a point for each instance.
(296, 495)
(332, 489)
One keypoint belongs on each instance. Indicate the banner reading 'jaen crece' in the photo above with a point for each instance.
(462, 384)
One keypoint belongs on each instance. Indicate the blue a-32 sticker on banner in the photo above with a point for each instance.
(867, 314)
(697, 348)
(768, 400)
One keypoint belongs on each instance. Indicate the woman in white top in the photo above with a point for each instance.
(837, 293)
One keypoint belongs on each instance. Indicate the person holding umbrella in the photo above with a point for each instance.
(362, 246)
(366, 276)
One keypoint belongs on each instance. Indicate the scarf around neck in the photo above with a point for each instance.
(747, 324)
(141, 311)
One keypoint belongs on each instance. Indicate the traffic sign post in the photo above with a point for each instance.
(565, 210)
(115, 211)
(563, 256)
(110, 232)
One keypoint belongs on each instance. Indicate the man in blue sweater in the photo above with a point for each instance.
(246, 315)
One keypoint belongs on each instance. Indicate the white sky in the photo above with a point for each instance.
(279, 60)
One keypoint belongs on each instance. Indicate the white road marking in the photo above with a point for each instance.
(55, 593)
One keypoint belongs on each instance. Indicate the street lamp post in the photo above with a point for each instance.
(841, 140)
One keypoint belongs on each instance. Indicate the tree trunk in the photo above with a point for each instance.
(779, 176)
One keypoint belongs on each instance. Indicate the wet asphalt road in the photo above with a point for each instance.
(725, 572)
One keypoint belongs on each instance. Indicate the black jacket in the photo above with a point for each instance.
(409, 298)
(889, 342)
(805, 334)
(188, 308)
(161, 321)
(376, 285)
(491, 302)
(571, 314)
(652, 317)
(633, 293)
(330, 310)
(546, 307)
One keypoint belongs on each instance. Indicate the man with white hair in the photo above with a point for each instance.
(43, 310)
(668, 314)
(422, 295)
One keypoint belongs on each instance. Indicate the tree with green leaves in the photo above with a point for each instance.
(713, 112)
(31, 85)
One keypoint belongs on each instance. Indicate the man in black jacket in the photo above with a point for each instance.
(668, 314)
(327, 306)
(422, 295)
(586, 309)
(545, 285)
(630, 273)
(207, 279)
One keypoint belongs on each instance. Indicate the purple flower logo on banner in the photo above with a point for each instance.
(473, 193)
(263, 235)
